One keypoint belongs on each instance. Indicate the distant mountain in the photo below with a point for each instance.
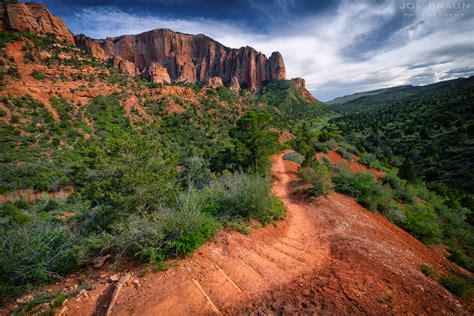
(386, 97)
(352, 97)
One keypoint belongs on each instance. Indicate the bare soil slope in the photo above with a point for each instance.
(329, 256)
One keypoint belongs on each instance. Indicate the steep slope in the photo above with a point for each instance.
(190, 58)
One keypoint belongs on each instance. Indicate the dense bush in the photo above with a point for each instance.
(318, 177)
(34, 253)
(458, 286)
(346, 155)
(363, 187)
(458, 257)
(153, 237)
(294, 157)
(38, 74)
(239, 195)
(421, 221)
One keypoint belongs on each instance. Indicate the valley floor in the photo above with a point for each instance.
(330, 256)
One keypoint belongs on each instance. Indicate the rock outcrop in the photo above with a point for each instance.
(124, 66)
(234, 84)
(32, 17)
(300, 86)
(190, 58)
(156, 73)
(214, 82)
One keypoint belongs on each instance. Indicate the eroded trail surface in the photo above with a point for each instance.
(329, 256)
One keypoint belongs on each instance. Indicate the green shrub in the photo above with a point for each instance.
(195, 173)
(14, 72)
(157, 235)
(38, 74)
(294, 157)
(10, 214)
(458, 257)
(392, 181)
(363, 187)
(394, 213)
(406, 194)
(35, 253)
(371, 161)
(187, 229)
(427, 270)
(457, 286)
(422, 222)
(14, 119)
(242, 195)
(318, 177)
(3, 113)
(347, 156)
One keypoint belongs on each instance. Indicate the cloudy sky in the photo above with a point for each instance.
(338, 46)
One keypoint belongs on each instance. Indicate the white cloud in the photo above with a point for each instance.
(328, 51)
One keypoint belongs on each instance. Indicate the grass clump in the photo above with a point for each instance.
(35, 253)
(427, 270)
(344, 153)
(38, 74)
(294, 157)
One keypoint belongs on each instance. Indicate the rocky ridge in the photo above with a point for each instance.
(32, 17)
(189, 58)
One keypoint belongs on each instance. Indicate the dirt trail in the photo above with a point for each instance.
(328, 256)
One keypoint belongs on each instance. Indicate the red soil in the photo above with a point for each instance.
(331, 256)
(31, 196)
(43, 90)
(354, 164)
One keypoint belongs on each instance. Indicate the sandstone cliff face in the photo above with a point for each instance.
(32, 17)
(191, 58)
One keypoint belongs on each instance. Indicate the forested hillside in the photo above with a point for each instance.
(427, 131)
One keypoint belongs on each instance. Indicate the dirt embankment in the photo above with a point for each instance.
(329, 256)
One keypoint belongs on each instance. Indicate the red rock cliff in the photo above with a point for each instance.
(191, 58)
(32, 17)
